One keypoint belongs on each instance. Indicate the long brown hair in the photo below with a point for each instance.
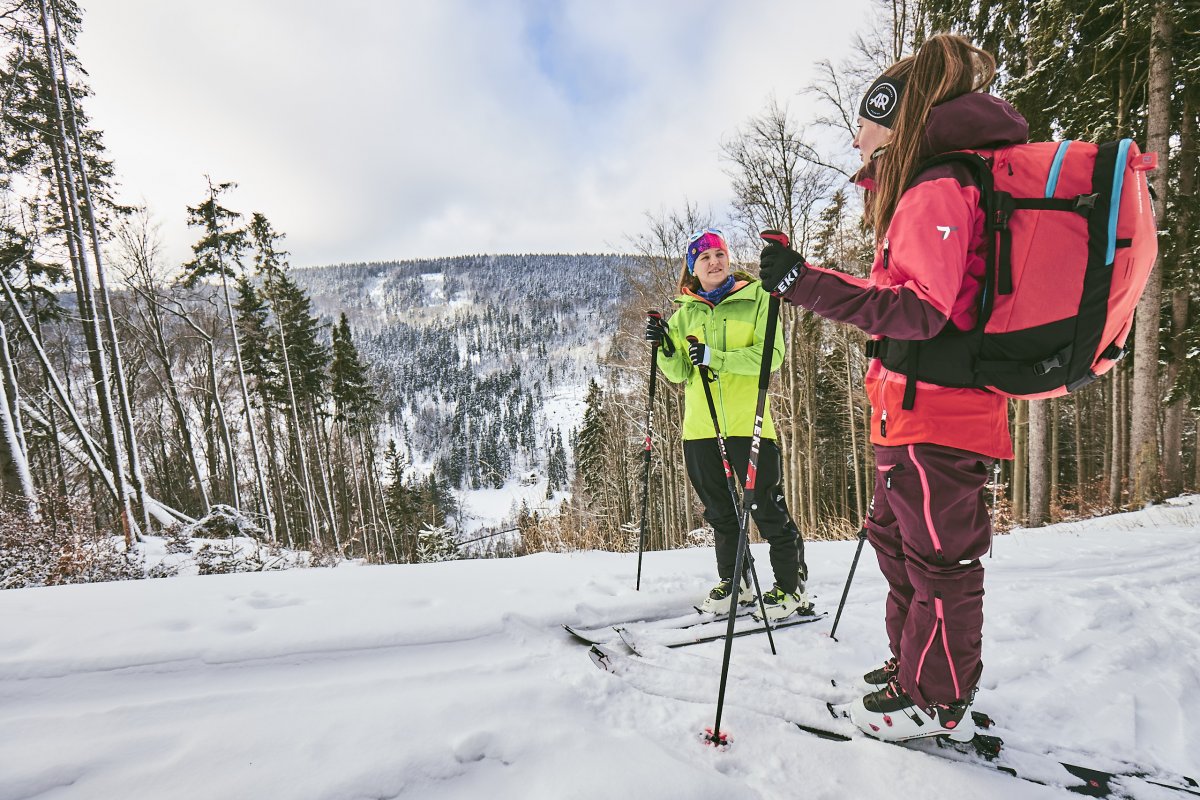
(946, 66)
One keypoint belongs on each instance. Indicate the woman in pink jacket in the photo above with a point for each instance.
(934, 445)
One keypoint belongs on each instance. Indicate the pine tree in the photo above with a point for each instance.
(590, 450)
(436, 543)
(219, 253)
(355, 399)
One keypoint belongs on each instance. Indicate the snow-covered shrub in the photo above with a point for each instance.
(224, 522)
(701, 537)
(177, 540)
(436, 543)
(59, 549)
(238, 555)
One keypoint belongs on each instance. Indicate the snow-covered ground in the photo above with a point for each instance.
(454, 680)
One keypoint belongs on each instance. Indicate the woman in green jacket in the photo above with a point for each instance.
(726, 312)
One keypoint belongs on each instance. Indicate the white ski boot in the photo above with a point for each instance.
(717, 601)
(890, 714)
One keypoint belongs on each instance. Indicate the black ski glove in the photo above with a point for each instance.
(656, 334)
(700, 353)
(779, 267)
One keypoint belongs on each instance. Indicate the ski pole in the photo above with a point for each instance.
(862, 537)
(650, 315)
(995, 481)
(714, 735)
(730, 481)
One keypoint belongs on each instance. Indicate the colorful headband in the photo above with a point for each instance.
(882, 101)
(703, 240)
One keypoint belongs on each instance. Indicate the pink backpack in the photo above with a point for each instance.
(1073, 241)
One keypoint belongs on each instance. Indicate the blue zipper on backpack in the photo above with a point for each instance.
(1115, 201)
(1056, 167)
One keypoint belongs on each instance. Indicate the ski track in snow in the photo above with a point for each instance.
(454, 680)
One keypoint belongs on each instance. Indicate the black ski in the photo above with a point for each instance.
(636, 639)
(984, 751)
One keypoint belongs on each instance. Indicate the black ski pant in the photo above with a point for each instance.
(707, 474)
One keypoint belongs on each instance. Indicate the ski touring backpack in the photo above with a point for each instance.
(1072, 240)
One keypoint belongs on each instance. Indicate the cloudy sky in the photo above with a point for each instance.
(374, 131)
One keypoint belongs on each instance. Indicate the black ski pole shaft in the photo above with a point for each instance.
(731, 483)
(764, 380)
(995, 482)
(862, 537)
(647, 451)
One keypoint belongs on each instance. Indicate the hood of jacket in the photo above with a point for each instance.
(973, 121)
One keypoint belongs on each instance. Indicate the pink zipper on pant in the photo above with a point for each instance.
(939, 622)
(937, 543)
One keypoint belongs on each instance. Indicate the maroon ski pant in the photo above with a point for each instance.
(929, 526)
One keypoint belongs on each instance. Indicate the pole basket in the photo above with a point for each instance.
(719, 740)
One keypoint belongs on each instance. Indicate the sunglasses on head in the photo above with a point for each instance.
(700, 233)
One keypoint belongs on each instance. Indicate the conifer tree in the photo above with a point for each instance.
(218, 253)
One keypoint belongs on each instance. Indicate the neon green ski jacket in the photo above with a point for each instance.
(735, 329)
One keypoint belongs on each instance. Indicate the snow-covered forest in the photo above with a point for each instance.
(359, 410)
(469, 354)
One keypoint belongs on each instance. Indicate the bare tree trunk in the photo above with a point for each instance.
(320, 446)
(1180, 298)
(72, 216)
(273, 471)
(223, 423)
(126, 414)
(1039, 430)
(64, 398)
(1080, 459)
(259, 477)
(16, 482)
(1021, 463)
(1119, 458)
(305, 478)
(1147, 393)
(1053, 462)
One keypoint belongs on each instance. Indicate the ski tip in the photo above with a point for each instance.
(602, 658)
(719, 740)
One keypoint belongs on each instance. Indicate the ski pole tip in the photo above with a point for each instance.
(718, 739)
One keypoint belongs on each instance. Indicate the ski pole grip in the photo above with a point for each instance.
(771, 235)
(652, 314)
(692, 339)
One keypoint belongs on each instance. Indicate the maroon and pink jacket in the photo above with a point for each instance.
(927, 274)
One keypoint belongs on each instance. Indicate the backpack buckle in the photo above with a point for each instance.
(1004, 206)
(1053, 362)
(1114, 352)
(1084, 204)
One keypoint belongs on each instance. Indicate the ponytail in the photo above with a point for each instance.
(946, 66)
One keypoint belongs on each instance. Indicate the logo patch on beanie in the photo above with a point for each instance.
(882, 101)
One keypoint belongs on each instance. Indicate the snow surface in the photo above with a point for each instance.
(454, 680)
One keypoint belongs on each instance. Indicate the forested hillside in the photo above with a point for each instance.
(469, 355)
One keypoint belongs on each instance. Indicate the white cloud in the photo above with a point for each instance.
(370, 131)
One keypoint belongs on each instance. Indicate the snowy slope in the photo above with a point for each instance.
(454, 680)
